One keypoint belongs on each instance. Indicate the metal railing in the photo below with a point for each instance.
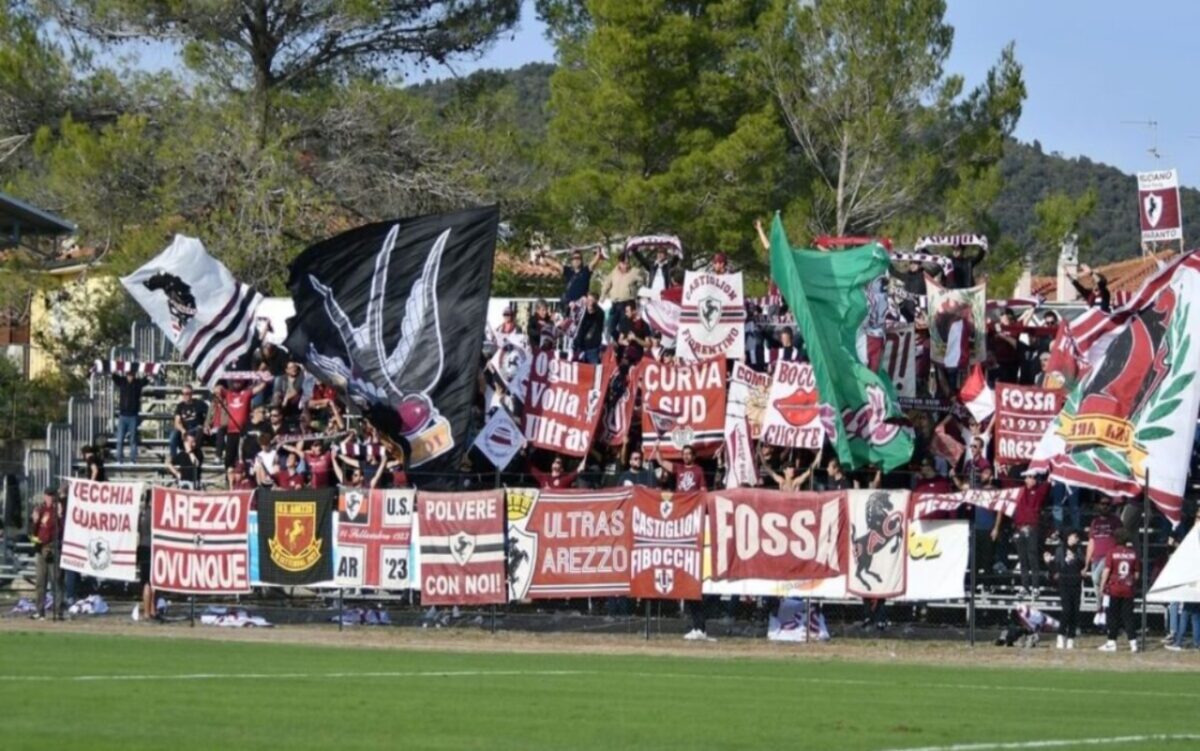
(39, 471)
(81, 417)
(58, 442)
(150, 344)
(104, 408)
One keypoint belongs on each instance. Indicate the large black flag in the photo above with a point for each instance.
(295, 536)
(393, 313)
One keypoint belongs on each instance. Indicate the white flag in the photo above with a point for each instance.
(202, 309)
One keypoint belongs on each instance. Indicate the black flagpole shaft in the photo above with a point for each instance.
(1145, 552)
(191, 610)
(341, 599)
(647, 620)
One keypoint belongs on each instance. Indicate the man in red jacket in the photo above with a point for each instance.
(1026, 535)
(44, 525)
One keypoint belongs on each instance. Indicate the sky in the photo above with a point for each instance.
(1089, 65)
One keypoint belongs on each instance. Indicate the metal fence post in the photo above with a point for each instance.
(972, 578)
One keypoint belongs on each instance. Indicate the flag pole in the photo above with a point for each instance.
(1145, 552)
(972, 575)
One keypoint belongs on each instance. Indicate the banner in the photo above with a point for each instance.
(501, 439)
(668, 539)
(712, 319)
(511, 365)
(900, 360)
(563, 403)
(1023, 413)
(295, 536)
(614, 426)
(940, 505)
(878, 526)
(768, 534)
(393, 314)
(795, 417)
(1158, 205)
(200, 542)
(744, 407)
(938, 555)
(1132, 416)
(827, 292)
(374, 538)
(206, 313)
(568, 543)
(1179, 580)
(462, 548)
(683, 405)
(100, 533)
(957, 321)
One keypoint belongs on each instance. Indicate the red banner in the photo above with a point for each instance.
(1023, 414)
(199, 542)
(374, 538)
(668, 535)
(563, 402)
(462, 548)
(683, 405)
(769, 534)
(568, 543)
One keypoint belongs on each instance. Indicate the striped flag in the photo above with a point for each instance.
(197, 303)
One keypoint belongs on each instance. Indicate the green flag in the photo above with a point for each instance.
(827, 293)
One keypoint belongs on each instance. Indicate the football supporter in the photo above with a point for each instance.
(1122, 567)
(186, 465)
(620, 287)
(1026, 624)
(94, 461)
(689, 475)
(1101, 540)
(266, 461)
(1066, 568)
(589, 337)
(637, 473)
(835, 478)
(320, 464)
(1002, 344)
(324, 408)
(44, 525)
(129, 406)
(292, 473)
(659, 271)
(1097, 295)
(189, 418)
(577, 277)
(238, 480)
(230, 419)
(557, 478)
(1026, 536)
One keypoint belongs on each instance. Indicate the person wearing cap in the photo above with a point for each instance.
(577, 277)
(1026, 536)
(44, 526)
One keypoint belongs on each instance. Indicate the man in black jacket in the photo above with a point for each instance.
(129, 406)
(590, 335)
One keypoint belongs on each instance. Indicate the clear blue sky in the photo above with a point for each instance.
(1089, 65)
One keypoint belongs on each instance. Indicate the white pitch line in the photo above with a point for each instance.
(1061, 743)
(793, 679)
(299, 676)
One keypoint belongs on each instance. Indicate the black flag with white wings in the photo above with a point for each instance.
(393, 314)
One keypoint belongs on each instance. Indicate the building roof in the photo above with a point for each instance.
(19, 219)
(1124, 277)
(543, 269)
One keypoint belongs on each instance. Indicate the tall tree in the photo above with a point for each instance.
(653, 126)
(268, 45)
(884, 130)
(1060, 215)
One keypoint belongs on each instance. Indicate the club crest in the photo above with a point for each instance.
(462, 546)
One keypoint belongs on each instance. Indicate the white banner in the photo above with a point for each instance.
(744, 406)
(1158, 205)
(501, 439)
(375, 538)
(1180, 578)
(101, 534)
(712, 319)
(878, 524)
(793, 417)
(938, 554)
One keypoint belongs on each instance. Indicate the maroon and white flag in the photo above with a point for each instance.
(668, 542)
(200, 542)
(1023, 413)
(100, 536)
(712, 320)
(563, 403)
(462, 548)
(1158, 205)
(794, 416)
(374, 538)
(776, 536)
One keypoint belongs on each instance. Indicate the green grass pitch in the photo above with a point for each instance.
(61, 690)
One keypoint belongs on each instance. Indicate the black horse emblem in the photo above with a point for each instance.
(516, 557)
(884, 525)
(180, 301)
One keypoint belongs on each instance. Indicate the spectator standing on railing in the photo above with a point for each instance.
(659, 270)
(188, 419)
(577, 278)
(129, 407)
(1122, 568)
(621, 287)
(45, 524)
